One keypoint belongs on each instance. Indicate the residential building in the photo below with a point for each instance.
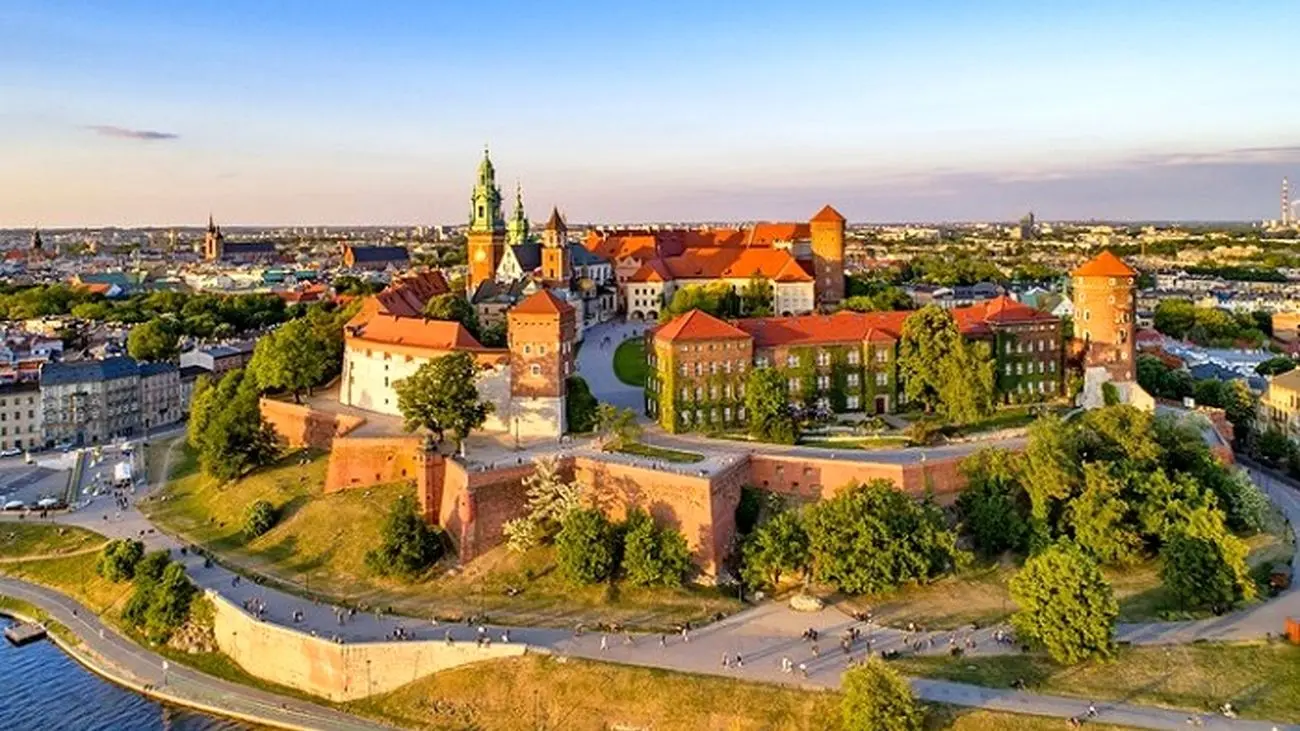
(218, 358)
(20, 416)
(376, 258)
(160, 395)
(1280, 405)
(845, 362)
(90, 402)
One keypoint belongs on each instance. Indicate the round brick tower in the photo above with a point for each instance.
(1104, 295)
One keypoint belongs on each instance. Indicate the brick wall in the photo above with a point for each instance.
(362, 462)
(302, 426)
(816, 479)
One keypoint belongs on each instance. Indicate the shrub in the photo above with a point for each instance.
(162, 598)
(580, 406)
(877, 698)
(259, 517)
(408, 545)
(653, 556)
(584, 547)
(118, 559)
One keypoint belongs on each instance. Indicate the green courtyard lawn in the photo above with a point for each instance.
(881, 441)
(318, 548)
(629, 362)
(664, 454)
(1260, 680)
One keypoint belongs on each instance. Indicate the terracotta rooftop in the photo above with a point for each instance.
(407, 296)
(440, 335)
(1104, 264)
(697, 325)
(727, 263)
(828, 215)
(542, 302)
(842, 327)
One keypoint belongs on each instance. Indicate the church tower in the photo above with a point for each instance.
(557, 266)
(517, 229)
(826, 229)
(214, 242)
(487, 226)
(37, 244)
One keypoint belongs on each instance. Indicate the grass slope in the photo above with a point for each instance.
(19, 539)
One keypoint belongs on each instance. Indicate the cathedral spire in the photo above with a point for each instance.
(517, 229)
(485, 202)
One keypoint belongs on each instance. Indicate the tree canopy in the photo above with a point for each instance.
(155, 340)
(767, 401)
(441, 396)
(294, 357)
(226, 427)
(877, 698)
(941, 371)
(407, 544)
(1066, 605)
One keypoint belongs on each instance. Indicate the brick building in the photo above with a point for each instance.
(1104, 290)
(846, 362)
(375, 258)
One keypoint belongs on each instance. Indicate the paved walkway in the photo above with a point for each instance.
(126, 663)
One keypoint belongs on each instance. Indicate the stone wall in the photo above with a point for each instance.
(365, 461)
(303, 426)
(333, 671)
(814, 479)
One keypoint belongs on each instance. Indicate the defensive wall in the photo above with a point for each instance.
(333, 671)
(302, 426)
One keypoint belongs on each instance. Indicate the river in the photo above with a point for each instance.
(42, 689)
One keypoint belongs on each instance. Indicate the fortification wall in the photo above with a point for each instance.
(365, 461)
(303, 426)
(333, 671)
(811, 479)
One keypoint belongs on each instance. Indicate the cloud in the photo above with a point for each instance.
(146, 135)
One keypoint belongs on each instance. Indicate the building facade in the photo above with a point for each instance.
(20, 416)
(1104, 294)
(90, 402)
(1279, 407)
(160, 396)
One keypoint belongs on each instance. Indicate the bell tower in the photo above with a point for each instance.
(557, 267)
(517, 229)
(487, 226)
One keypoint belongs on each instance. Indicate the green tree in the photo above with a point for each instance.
(877, 698)
(1050, 470)
(767, 401)
(617, 427)
(580, 406)
(1065, 605)
(584, 547)
(160, 602)
(1099, 518)
(872, 537)
(155, 340)
(293, 358)
(716, 299)
(441, 396)
(1275, 366)
(550, 498)
(1272, 446)
(259, 517)
(994, 507)
(1239, 408)
(118, 558)
(930, 338)
(1203, 565)
(756, 297)
(653, 556)
(779, 546)
(232, 436)
(966, 391)
(455, 308)
(493, 335)
(407, 545)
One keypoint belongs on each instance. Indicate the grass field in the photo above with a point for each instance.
(531, 692)
(629, 362)
(1260, 680)
(855, 442)
(318, 547)
(18, 539)
(664, 454)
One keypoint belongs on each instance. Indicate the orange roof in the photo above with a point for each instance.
(97, 287)
(697, 325)
(542, 302)
(766, 234)
(726, 263)
(842, 327)
(406, 297)
(415, 332)
(1104, 264)
(1005, 309)
(651, 271)
(828, 215)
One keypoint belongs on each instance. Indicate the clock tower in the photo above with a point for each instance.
(487, 226)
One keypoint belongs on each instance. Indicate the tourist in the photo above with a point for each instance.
(604, 643)
(726, 661)
(740, 662)
(803, 670)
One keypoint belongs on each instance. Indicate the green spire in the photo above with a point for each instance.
(485, 203)
(517, 229)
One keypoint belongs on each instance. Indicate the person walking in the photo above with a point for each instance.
(604, 643)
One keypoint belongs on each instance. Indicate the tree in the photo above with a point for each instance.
(1203, 565)
(872, 537)
(756, 297)
(407, 544)
(930, 338)
(1275, 366)
(161, 601)
(618, 427)
(441, 396)
(493, 335)
(966, 391)
(1099, 518)
(453, 307)
(877, 698)
(550, 500)
(1110, 394)
(716, 299)
(1239, 408)
(293, 358)
(155, 340)
(1272, 446)
(584, 547)
(118, 559)
(1065, 605)
(259, 517)
(994, 507)
(653, 556)
(580, 406)
(232, 437)
(767, 402)
(1050, 472)
(777, 547)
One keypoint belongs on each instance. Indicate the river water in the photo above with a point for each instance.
(42, 689)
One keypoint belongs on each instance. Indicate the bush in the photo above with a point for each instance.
(653, 556)
(580, 406)
(162, 598)
(1066, 605)
(923, 432)
(118, 559)
(877, 698)
(584, 547)
(779, 546)
(408, 545)
(748, 508)
(259, 517)
(150, 568)
(1109, 394)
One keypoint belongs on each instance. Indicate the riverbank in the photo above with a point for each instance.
(117, 659)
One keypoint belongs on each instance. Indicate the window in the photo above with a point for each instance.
(713, 392)
(853, 380)
(541, 350)
(882, 355)
(1008, 349)
(726, 390)
(713, 368)
(528, 349)
(851, 403)
(686, 394)
(853, 357)
(793, 384)
(699, 392)
(1008, 369)
(1020, 369)
(823, 382)
(823, 358)
(792, 360)
(536, 369)
(761, 361)
(882, 379)
(684, 370)
(740, 366)
(699, 369)
(1051, 366)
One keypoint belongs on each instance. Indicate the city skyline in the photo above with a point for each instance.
(929, 113)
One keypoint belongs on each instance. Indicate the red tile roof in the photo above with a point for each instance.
(766, 234)
(697, 325)
(828, 215)
(542, 302)
(439, 335)
(651, 271)
(1104, 264)
(407, 296)
(842, 327)
(727, 263)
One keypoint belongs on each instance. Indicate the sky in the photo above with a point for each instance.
(331, 113)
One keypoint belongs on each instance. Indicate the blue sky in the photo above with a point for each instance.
(352, 112)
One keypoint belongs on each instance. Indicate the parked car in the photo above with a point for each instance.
(15, 505)
(14, 452)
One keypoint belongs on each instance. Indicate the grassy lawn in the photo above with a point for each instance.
(18, 539)
(534, 691)
(1011, 417)
(660, 453)
(854, 442)
(74, 576)
(318, 548)
(1260, 680)
(629, 362)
